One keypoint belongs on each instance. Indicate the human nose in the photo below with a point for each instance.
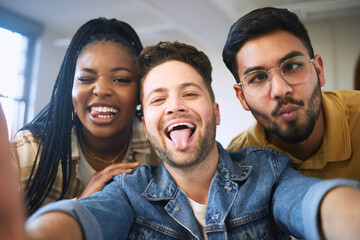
(279, 87)
(102, 88)
(175, 105)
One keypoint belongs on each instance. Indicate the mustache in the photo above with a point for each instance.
(284, 101)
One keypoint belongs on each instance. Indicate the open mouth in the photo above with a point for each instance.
(180, 134)
(103, 112)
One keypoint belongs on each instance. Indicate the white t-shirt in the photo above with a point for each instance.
(85, 170)
(200, 214)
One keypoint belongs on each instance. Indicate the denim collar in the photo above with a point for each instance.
(163, 186)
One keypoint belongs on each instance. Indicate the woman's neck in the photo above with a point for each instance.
(100, 152)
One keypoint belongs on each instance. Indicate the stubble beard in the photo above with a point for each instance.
(205, 144)
(293, 132)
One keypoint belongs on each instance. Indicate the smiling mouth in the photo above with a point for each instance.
(103, 112)
(180, 133)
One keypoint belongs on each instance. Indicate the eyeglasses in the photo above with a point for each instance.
(294, 70)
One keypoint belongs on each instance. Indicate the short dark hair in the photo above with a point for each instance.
(257, 23)
(155, 55)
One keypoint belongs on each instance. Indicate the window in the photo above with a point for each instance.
(17, 44)
(13, 50)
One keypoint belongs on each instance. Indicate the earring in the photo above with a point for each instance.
(74, 115)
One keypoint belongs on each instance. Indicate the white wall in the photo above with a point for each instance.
(337, 41)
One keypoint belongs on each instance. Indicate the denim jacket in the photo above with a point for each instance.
(255, 194)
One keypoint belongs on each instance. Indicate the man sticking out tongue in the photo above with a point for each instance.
(180, 134)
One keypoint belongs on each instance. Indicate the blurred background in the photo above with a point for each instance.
(34, 35)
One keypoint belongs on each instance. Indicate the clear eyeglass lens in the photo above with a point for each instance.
(294, 70)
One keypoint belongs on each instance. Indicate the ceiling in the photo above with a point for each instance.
(199, 22)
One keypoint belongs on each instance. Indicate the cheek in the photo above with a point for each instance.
(152, 119)
(128, 96)
(74, 94)
(79, 96)
(263, 105)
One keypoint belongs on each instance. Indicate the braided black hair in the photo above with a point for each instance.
(53, 125)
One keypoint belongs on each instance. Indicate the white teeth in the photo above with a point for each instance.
(189, 125)
(104, 116)
(104, 109)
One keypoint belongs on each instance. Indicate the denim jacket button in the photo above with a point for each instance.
(214, 217)
(227, 188)
(176, 209)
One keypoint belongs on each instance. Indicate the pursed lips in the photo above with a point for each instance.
(283, 109)
(286, 109)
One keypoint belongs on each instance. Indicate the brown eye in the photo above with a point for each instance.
(123, 80)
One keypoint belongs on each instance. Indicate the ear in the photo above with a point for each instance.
(143, 123)
(217, 113)
(319, 67)
(240, 95)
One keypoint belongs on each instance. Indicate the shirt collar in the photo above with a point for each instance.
(163, 186)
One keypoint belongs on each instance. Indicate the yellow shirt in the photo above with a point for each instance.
(339, 154)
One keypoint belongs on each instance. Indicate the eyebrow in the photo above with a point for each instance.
(189, 84)
(181, 87)
(286, 57)
(290, 55)
(120, 69)
(89, 70)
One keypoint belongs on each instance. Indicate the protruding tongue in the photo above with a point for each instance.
(181, 138)
(96, 113)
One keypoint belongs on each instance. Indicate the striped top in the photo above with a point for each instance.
(25, 147)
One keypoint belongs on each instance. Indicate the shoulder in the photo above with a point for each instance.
(260, 156)
(238, 142)
(342, 102)
(24, 147)
(253, 136)
(141, 176)
(24, 137)
(345, 97)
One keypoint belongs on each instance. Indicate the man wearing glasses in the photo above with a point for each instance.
(279, 80)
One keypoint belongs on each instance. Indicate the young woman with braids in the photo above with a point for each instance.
(90, 131)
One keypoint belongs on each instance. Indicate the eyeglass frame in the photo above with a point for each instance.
(311, 60)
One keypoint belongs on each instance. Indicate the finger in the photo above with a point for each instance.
(126, 165)
(108, 173)
(111, 172)
(100, 179)
(121, 166)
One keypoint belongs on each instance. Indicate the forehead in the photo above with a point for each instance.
(171, 75)
(102, 51)
(268, 49)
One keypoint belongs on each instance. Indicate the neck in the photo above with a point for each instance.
(195, 181)
(109, 149)
(306, 148)
(106, 145)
